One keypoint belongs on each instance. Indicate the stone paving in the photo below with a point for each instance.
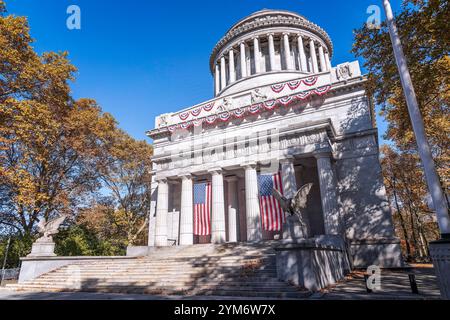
(394, 286)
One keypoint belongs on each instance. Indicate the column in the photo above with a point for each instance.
(217, 79)
(254, 232)
(301, 50)
(243, 60)
(312, 50)
(233, 209)
(327, 60)
(271, 52)
(218, 208)
(328, 192)
(162, 208)
(287, 51)
(231, 66)
(257, 55)
(323, 66)
(288, 177)
(223, 73)
(152, 213)
(187, 211)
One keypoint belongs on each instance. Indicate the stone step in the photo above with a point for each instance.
(164, 277)
(196, 264)
(164, 291)
(168, 285)
(165, 270)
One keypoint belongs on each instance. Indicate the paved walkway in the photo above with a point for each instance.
(394, 286)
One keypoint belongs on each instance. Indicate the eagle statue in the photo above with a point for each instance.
(51, 227)
(296, 205)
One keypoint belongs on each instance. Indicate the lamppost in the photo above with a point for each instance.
(439, 250)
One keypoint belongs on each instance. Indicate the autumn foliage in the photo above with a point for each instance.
(61, 155)
(424, 31)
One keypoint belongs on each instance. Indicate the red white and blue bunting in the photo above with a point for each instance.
(196, 112)
(294, 84)
(254, 109)
(239, 113)
(310, 81)
(208, 107)
(184, 115)
(278, 87)
(224, 116)
(271, 104)
(251, 110)
(322, 90)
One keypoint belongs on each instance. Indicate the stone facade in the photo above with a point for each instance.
(279, 106)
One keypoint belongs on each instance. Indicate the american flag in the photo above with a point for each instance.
(202, 209)
(272, 214)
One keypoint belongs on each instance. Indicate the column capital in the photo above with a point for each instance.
(255, 37)
(242, 42)
(185, 176)
(161, 180)
(270, 34)
(231, 179)
(286, 33)
(249, 165)
(288, 159)
(299, 35)
(323, 154)
(230, 49)
(215, 171)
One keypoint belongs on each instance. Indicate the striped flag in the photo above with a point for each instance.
(202, 209)
(272, 214)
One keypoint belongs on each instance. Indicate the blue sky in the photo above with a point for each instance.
(141, 58)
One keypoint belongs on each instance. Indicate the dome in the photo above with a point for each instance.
(269, 46)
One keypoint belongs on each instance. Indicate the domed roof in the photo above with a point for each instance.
(268, 18)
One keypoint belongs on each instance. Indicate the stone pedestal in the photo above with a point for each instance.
(293, 230)
(440, 254)
(43, 248)
(310, 264)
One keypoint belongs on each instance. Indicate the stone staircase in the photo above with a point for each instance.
(246, 270)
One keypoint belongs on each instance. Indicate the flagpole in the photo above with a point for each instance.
(432, 178)
(439, 250)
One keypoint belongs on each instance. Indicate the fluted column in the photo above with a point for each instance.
(162, 210)
(254, 232)
(301, 51)
(231, 66)
(257, 55)
(217, 79)
(328, 192)
(327, 60)
(233, 208)
(243, 60)
(187, 211)
(287, 51)
(218, 208)
(223, 73)
(271, 52)
(288, 177)
(323, 66)
(312, 50)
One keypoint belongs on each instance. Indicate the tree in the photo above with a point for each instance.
(424, 30)
(406, 189)
(127, 175)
